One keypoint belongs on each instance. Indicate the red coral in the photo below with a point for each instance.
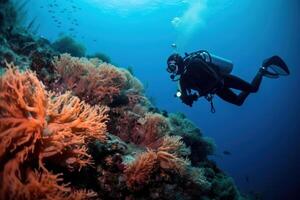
(140, 127)
(94, 84)
(151, 128)
(36, 128)
(156, 162)
(138, 173)
(170, 152)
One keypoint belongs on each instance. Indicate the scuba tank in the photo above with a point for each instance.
(223, 65)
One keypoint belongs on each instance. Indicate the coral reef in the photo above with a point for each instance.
(8, 15)
(192, 137)
(66, 44)
(94, 84)
(103, 57)
(21, 47)
(79, 128)
(37, 129)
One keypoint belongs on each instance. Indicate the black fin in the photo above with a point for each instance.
(275, 65)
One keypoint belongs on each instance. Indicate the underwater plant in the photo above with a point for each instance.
(66, 44)
(40, 129)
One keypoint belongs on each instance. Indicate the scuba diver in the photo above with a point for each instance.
(201, 74)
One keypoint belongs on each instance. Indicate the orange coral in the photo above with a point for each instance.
(166, 157)
(169, 154)
(151, 128)
(36, 127)
(94, 84)
(138, 173)
(134, 90)
(140, 127)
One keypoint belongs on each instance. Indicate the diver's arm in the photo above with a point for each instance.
(186, 96)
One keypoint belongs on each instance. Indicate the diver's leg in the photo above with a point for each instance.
(231, 81)
(235, 82)
(228, 95)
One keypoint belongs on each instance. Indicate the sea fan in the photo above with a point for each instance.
(36, 129)
(94, 84)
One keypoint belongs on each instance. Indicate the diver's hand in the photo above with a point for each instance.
(188, 100)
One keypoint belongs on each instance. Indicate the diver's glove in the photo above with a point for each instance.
(188, 100)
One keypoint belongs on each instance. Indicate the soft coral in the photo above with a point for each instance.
(37, 127)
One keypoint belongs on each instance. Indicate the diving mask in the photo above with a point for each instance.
(172, 67)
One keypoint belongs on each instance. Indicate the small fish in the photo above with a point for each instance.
(228, 153)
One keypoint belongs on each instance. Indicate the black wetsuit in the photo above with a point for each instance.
(207, 79)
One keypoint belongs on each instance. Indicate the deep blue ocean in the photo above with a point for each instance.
(262, 135)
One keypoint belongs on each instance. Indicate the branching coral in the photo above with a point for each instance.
(138, 126)
(156, 162)
(170, 154)
(151, 128)
(94, 84)
(138, 173)
(72, 122)
(36, 129)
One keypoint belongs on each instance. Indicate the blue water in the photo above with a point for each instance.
(263, 134)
